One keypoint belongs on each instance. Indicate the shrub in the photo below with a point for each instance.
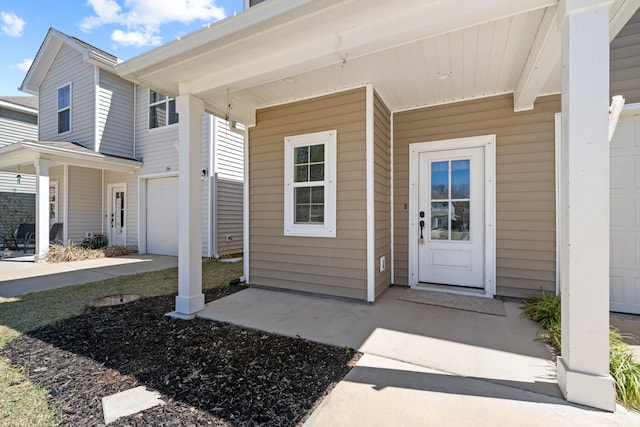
(68, 252)
(622, 366)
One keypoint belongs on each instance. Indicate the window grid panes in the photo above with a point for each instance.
(308, 177)
(64, 109)
(162, 110)
(450, 200)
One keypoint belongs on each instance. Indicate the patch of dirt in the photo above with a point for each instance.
(208, 373)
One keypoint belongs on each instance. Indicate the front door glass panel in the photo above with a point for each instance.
(450, 200)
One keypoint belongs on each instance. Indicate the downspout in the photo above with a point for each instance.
(245, 209)
(96, 131)
(392, 197)
(370, 164)
(213, 186)
(103, 211)
(135, 117)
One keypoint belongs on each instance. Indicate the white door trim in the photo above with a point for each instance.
(488, 142)
(110, 188)
(56, 200)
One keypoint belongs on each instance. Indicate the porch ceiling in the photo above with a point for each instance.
(20, 157)
(423, 53)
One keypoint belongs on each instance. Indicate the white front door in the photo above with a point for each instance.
(451, 217)
(117, 216)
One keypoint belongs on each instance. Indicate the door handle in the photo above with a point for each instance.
(421, 232)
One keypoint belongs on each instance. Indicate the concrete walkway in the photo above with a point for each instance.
(21, 276)
(423, 364)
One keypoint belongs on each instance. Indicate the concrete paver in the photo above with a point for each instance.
(129, 402)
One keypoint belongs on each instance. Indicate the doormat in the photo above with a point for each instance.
(459, 302)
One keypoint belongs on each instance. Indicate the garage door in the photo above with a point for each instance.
(625, 217)
(162, 216)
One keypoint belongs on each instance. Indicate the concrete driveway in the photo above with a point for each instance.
(20, 276)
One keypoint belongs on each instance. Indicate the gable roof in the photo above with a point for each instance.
(48, 51)
(28, 104)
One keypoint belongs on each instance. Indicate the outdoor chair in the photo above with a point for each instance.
(23, 237)
(55, 234)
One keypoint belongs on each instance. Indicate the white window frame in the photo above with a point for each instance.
(328, 228)
(60, 110)
(167, 100)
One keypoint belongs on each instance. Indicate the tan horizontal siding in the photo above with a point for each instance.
(335, 266)
(382, 188)
(625, 61)
(525, 182)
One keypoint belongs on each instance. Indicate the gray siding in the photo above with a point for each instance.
(157, 149)
(68, 67)
(382, 179)
(525, 183)
(115, 115)
(625, 61)
(333, 266)
(229, 167)
(16, 126)
(85, 205)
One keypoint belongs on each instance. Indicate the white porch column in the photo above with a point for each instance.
(190, 298)
(583, 368)
(42, 209)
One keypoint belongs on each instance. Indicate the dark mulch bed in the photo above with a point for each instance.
(208, 373)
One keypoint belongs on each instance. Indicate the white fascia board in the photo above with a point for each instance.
(41, 63)
(16, 107)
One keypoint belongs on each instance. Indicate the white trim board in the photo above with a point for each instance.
(488, 142)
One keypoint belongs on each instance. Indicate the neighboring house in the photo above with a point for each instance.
(108, 148)
(368, 120)
(18, 120)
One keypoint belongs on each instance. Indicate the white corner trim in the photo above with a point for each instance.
(370, 167)
(392, 197)
(558, 174)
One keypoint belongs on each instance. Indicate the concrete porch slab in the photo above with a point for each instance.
(384, 392)
(502, 350)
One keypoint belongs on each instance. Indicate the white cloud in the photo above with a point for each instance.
(143, 18)
(12, 25)
(25, 64)
(136, 38)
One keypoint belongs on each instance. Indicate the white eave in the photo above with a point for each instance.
(416, 53)
(23, 154)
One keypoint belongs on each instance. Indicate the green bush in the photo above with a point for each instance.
(622, 366)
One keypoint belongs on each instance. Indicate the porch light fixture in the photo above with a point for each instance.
(18, 178)
(204, 174)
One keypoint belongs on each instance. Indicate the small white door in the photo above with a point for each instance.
(451, 217)
(117, 216)
(162, 216)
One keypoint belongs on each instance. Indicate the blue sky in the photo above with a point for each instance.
(125, 28)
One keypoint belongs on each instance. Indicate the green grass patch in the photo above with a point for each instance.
(24, 404)
(622, 366)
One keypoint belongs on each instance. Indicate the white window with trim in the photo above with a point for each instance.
(310, 184)
(64, 108)
(162, 110)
